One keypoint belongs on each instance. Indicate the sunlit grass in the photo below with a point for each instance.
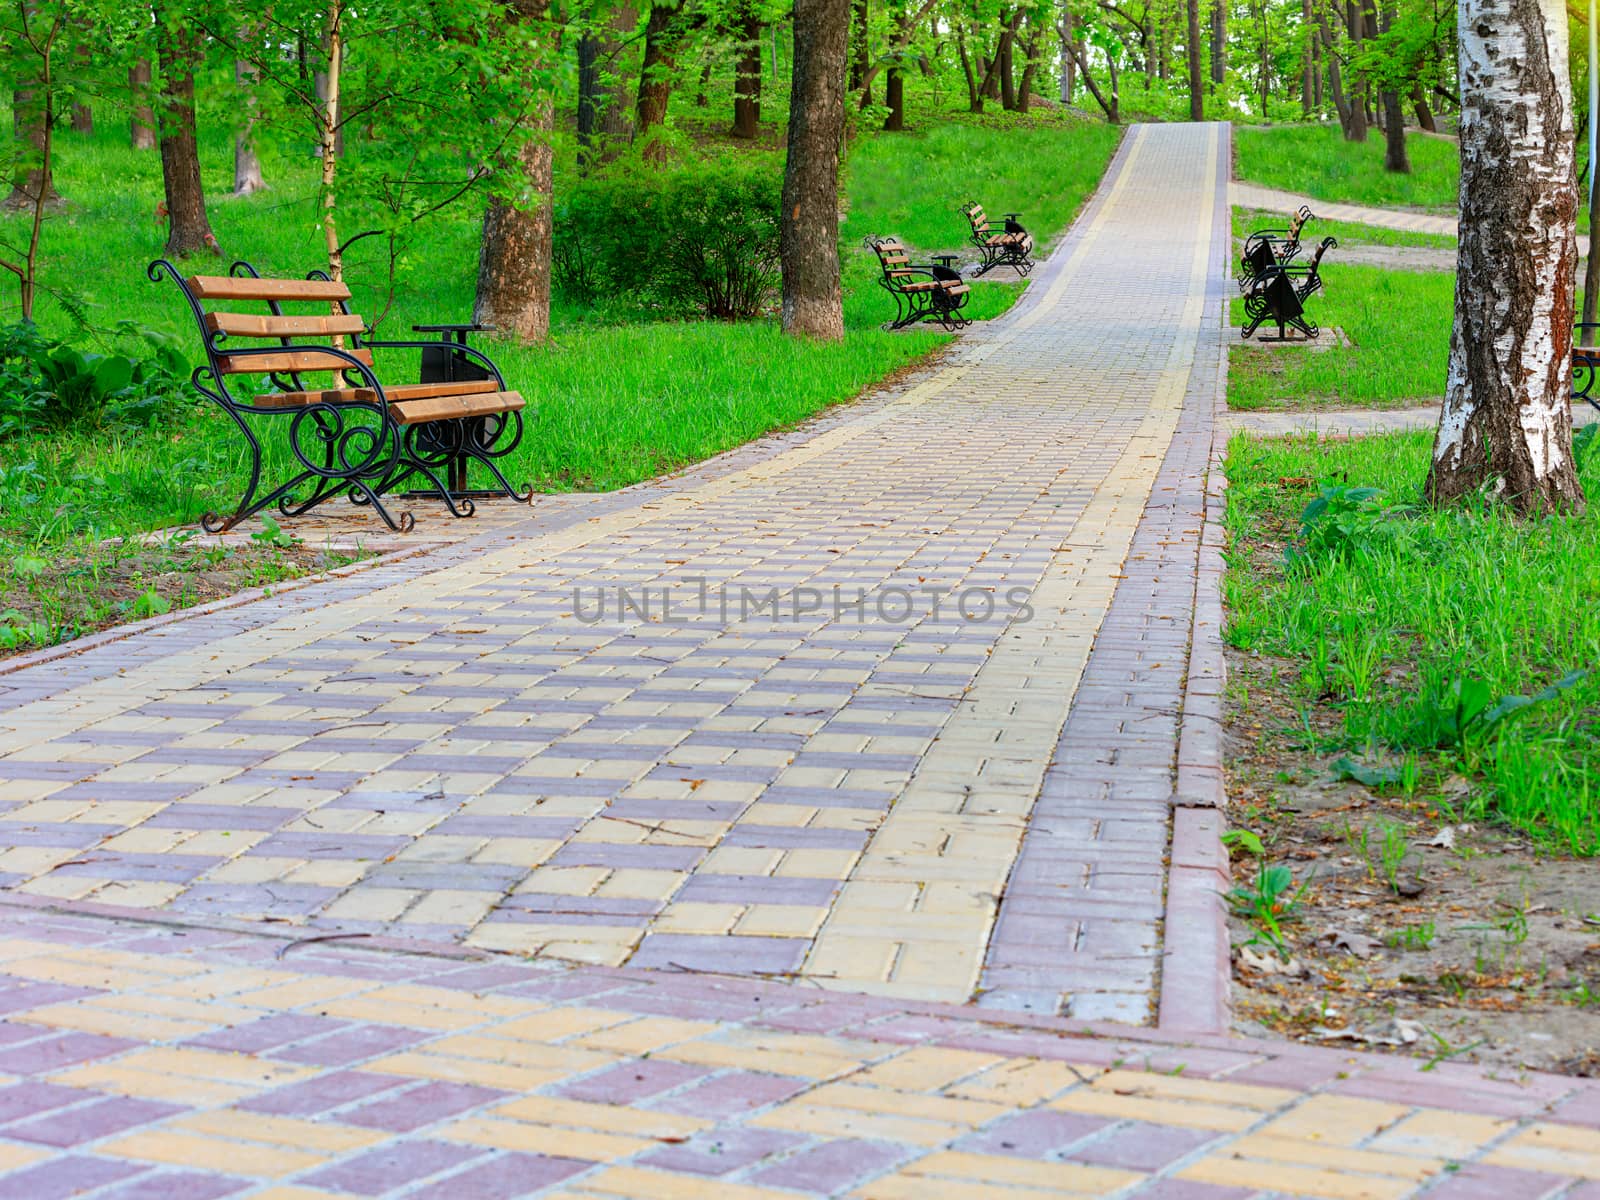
(1417, 598)
(1316, 161)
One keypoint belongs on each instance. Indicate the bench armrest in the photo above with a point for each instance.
(455, 347)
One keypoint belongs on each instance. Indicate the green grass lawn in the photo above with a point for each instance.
(1398, 323)
(1348, 233)
(1316, 161)
(1392, 611)
(614, 397)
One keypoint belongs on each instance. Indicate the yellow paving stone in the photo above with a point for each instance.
(211, 1153)
(1184, 1087)
(602, 1118)
(142, 893)
(480, 1072)
(262, 868)
(145, 841)
(222, 843)
(603, 945)
(114, 1019)
(887, 897)
(563, 881)
(928, 1108)
(1338, 1120)
(1432, 1133)
(556, 1024)
(327, 872)
(818, 864)
(1228, 1171)
(783, 1054)
(637, 883)
(62, 887)
(1024, 1082)
(530, 1138)
(781, 920)
(301, 991)
(697, 917)
(801, 1117)
(851, 958)
(90, 973)
(645, 1035)
(1557, 1149)
(517, 852)
(1191, 1114)
(152, 1085)
(330, 822)
(14, 1158)
(521, 1053)
(927, 1069)
(450, 907)
(1294, 1151)
(636, 1182)
(279, 1131)
(993, 1170)
(741, 860)
(920, 1187)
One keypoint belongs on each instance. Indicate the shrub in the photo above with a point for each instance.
(49, 385)
(686, 239)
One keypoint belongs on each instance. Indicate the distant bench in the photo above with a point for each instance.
(920, 292)
(359, 435)
(1010, 246)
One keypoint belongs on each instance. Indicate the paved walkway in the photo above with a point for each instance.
(769, 830)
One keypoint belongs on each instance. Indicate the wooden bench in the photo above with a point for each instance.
(1009, 246)
(1280, 293)
(313, 379)
(920, 292)
(1267, 248)
(1585, 360)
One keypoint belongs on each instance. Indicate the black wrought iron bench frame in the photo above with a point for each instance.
(1267, 248)
(1585, 362)
(1280, 293)
(360, 436)
(1010, 248)
(921, 292)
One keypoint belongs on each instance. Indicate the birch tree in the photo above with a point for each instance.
(1506, 424)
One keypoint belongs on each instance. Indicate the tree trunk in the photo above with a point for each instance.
(178, 50)
(1030, 68)
(603, 111)
(1008, 80)
(861, 49)
(894, 95)
(328, 146)
(1069, 65)
(1506, 424)
(142, 123)
(1394, 135)
(974, 96)
(655, 78)
(1341, 103)
(1308, 68)
(809, 232)
(32, 175)
(246, 162)
(1197, 98)
(1219, 42)
(747, 77)
(82, 119)
(514, 259)
(1355, 22)
(1424, 114)
(1107, 106)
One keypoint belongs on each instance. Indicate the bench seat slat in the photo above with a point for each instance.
(230, 287)
(404, 391)
(261, 326)
(443, 408)
(288, 360)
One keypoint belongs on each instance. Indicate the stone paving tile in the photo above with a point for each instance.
(784, 714)
(522, 1079)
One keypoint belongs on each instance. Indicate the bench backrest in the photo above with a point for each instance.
(218, 299)
(892, 256)
(976, 215)
(1315, 264)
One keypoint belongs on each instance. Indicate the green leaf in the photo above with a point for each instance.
(1369, 775)
(26, 566)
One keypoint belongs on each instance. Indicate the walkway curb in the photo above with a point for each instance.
(1196, 976)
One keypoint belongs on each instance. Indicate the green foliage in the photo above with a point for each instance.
(1462, 633)
(698, 238)
(1269, 901)
(46, 385)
